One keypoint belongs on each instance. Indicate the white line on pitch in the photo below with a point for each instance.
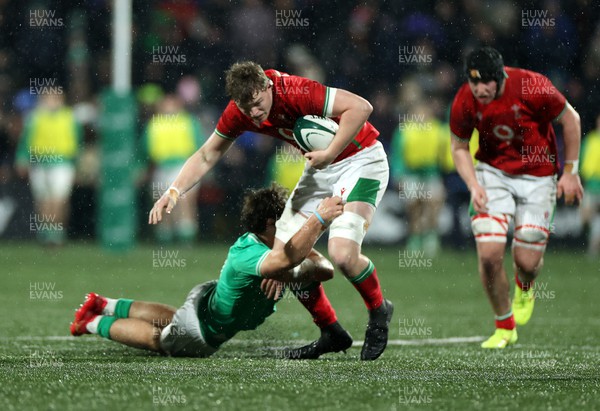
(357, 343)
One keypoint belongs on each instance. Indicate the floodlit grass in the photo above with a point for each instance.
(555, 364)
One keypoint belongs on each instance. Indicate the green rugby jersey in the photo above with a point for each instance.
(237, 302)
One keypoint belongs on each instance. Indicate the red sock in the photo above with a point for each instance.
(316, 302)
(507, 323)
(525, 286)
(367, 285)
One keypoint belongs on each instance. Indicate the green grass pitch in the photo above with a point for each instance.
(432, 363)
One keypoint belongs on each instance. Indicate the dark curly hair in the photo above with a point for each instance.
(243, 80)
(262, 204)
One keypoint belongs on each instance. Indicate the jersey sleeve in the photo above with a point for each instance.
(249, 259)
(543, 98)
(309, 96)
(230, 125)
(461, 116)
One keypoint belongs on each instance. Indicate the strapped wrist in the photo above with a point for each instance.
(571, 167)
(174, 193)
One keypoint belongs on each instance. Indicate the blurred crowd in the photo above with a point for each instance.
(405, 57)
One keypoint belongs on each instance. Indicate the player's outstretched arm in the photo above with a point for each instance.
(354, 112)
(569, 183)
(278, 261)
(464, 166)
(192, 171)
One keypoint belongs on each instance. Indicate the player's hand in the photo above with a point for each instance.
(330, 208)
(319, 159)
(271, 288)
(479, 198)
(570, 186)
(168, 200)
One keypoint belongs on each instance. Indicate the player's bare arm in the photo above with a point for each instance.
(279, 261)
(315, 267)
(354, 112)
(200, 163)
(570, 183)
(464, 165)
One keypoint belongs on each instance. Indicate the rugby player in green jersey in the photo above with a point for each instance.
(241, 299)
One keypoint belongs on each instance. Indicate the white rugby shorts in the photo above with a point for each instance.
(361, 177)
(52, 182)
(529, 200)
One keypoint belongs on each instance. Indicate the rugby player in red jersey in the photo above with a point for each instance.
(354, 167)
(516, 175)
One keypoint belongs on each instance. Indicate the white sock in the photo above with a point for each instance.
(92, 326)
(111, 304)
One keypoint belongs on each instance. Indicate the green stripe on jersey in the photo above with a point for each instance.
(357, 144)
(329, 100)
(365, 190)
(462, 140)
(217, 132)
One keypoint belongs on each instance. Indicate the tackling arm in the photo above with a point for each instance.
(279, 261)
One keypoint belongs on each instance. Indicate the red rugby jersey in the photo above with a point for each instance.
(293, 97)
(515, 130)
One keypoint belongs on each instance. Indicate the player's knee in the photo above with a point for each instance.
(344, 254)
(154, 343)
(490, 227)
(528, 265)
(343, 257)
(324, 272)
(490, 264)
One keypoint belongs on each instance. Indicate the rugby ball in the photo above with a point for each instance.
(313, 133)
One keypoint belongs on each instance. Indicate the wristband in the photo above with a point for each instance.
(316, 214)
(571, 167)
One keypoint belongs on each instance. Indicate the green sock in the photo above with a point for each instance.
(104, 326)
(122, 307)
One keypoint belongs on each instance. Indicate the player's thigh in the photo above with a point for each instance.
(361, 182)
(60, 181)
(492, 226)
(183, 336)
(38, 177)
(363, 177)
(534, 212)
